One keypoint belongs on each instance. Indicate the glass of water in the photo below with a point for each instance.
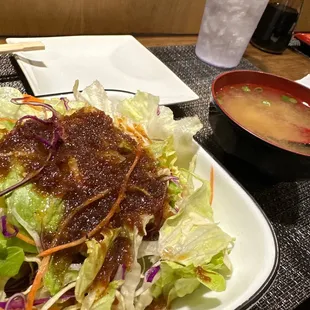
(226, 29)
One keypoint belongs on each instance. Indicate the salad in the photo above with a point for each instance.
(98, 205)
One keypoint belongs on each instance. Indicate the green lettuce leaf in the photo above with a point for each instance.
(105, 303)
(27, 206)
(13, 111)
(54, 278)
(159, 124)
(140, 108)
(11, 258)
(177, 280)
(59, 106)
(191, 237)
(211, 279)
(26, 247)
(193, 249)
(96, 253)
(94, 95)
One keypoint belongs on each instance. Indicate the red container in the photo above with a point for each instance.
(240, 142)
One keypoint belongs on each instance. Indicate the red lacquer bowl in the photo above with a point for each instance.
(236, 140)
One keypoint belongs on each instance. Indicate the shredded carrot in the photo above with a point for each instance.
(211, 184)
(20, 235)
(119, 199)
(79, 209)
(58, 248)
(29, 98)
(104, 222)
(11, 120)
(139, 128)
(25, 239)
(37, 282)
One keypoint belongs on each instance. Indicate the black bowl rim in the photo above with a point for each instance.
(237, 123)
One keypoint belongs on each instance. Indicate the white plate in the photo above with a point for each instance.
(114, 95)
(255, 255)
(118, 62)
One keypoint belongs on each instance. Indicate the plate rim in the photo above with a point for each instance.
(31, 81)
(260, 292)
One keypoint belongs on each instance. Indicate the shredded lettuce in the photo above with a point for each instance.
(96, 253)
(159, 124)
(12, 111)
(105, 303)
(133, 276)
(55, 298)
(54, 278)
(192, 249)
(96, 96)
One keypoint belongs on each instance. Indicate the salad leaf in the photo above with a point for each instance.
(54, 278)
(133, 276)
(29, 209)
(27, 248)
(60, 107)
(142, 107)
(12, 111)
(90, 268)
(94, 95)
(55, 298)
(159, 124)
(221, 262)
(164, 152)
(175, 281)
(211, 279)
(191, 236)
(96, 254)
(105, 303)
(11, 259)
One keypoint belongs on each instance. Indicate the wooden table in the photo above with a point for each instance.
(290, 64)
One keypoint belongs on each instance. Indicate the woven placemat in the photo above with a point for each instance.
(286, 204)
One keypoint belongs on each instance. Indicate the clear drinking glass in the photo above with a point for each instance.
(226, 29)
(275, 29)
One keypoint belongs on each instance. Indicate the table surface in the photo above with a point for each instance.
(286, 204)
(290, 64)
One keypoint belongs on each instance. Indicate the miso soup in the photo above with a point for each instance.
(272, 115)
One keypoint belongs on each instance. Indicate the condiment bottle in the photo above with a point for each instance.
(276, 26)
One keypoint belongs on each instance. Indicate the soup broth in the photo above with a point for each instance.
(274, 116)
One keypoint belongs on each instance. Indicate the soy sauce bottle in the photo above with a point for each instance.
(276, 26)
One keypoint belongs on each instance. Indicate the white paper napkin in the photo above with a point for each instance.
(305, 81)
